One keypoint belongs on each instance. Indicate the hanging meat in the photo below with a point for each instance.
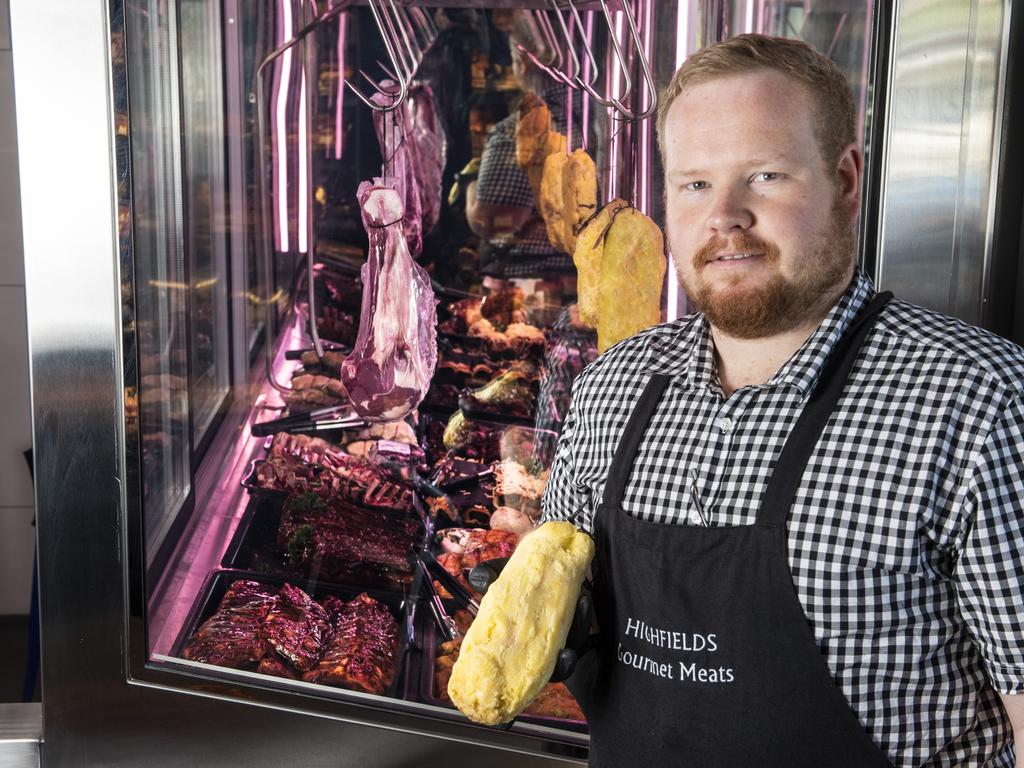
(430, 151)
(398, 150)
(389, 370)
(588, 256)
(632, 275)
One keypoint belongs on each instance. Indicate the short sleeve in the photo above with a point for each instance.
(990, 571)
(500, 180)
(564, 497)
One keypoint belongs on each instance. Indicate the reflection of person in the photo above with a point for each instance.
(500, 207)
(808, 503)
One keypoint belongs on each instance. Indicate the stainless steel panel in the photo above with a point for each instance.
(945, 99)
(21, 728)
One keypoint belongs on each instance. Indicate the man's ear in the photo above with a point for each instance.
(850, 179)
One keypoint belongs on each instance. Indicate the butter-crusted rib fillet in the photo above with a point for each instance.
(632, 275)
(510, 650)
(588, 255)
(579, 195)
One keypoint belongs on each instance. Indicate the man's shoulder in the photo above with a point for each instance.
(631, 359)
(956, 343)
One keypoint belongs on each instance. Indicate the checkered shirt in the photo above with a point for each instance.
(500, 181)
(906, 536)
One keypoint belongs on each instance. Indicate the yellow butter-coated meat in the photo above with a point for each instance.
(632, 274)
(510, 650)
(588, 255)
(551, 203)
(579, 195)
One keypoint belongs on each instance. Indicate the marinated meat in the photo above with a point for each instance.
(362, 652)
(351, 478)
(389, 370)
(297, 628)
(632, 276)
(339, 542)
(518, 487)
(271, 665)
(465, 548)
(513, 393)
(230, 637)
(310, 391)
(588, 256)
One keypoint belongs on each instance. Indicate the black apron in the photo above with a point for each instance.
(706, 657)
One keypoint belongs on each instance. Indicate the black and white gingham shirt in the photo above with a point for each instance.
(906, 538)
(501, 181)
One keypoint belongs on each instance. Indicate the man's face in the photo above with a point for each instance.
(760, 227)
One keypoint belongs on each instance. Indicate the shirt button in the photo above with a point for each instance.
(724, 424)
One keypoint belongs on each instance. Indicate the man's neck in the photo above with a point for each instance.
(747, 362)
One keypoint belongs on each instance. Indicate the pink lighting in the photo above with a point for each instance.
(644, 12)
(613, 83)
(280, 122)
(586, 77)
(303, 217)
(339, 127)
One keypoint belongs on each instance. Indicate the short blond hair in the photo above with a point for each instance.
(836, 114)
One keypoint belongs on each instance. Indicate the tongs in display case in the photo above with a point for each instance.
(444, 622)
(319, 420)
(449, 582)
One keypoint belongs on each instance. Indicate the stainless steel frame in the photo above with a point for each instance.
(942, 146)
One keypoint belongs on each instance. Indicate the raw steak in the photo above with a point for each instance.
(390, 368)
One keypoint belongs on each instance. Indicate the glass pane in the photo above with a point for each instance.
(161, 288)
(205, 190)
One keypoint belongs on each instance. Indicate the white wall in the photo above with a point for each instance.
(17, 537)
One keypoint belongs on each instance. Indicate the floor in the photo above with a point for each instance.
(13, 656)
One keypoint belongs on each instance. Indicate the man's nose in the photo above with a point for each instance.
(729, 212)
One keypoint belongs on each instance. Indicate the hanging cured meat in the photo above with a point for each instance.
(395, 352)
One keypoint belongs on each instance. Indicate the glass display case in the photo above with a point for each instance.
(263, 521)
(277, 514)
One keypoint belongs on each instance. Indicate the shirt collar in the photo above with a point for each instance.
(686, 352)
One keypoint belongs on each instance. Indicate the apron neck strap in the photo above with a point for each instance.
(622, 463)
(789, 468)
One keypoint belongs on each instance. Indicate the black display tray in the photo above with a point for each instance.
(431, 643)
(253, 548)
(403, 685)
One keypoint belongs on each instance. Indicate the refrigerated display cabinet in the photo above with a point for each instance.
(189, 174)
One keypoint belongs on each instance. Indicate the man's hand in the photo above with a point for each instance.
(1014, 706)
(577, 642)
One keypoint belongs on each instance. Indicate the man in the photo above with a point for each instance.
(807, 501)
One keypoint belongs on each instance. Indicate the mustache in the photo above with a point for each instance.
(739, 243)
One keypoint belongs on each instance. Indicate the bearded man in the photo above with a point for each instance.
(807, 497)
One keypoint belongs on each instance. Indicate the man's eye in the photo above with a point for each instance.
(695, 186)
(767, 176)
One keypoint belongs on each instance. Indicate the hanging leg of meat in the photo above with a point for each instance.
(389, 370)
(632, 275)
(588, 255)
(579, 195)
(430, 151)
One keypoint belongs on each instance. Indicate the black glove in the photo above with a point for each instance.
(577, 642)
